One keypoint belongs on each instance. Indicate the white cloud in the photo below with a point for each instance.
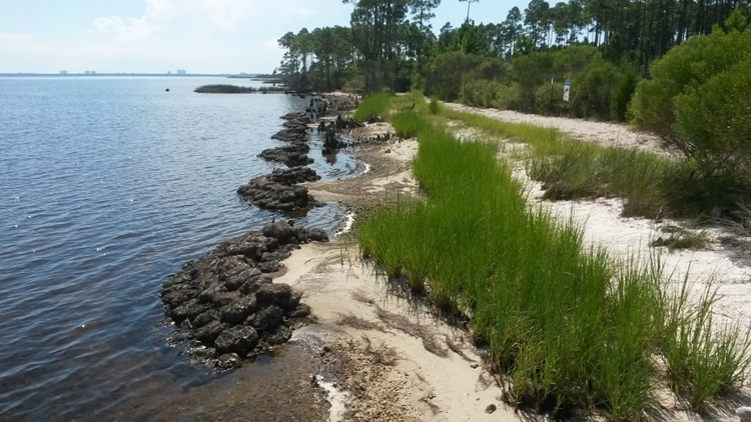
(13, 40)
(156, 7)
(228, 14)
(205, 36)
(121, 30)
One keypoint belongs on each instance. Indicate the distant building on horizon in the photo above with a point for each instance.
(86, 72)
(181, 72)
(63, 72)
(93, 72)
(169, 72)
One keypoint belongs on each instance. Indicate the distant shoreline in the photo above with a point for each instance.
(96, 75)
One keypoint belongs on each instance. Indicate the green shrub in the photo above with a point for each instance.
(508, 97)
(716, 118)
(688, 65)
(549, 101)
(625, 85)
(480, 92)
(698, 100)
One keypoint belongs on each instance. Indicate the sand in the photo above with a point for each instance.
(386, 358)
(608, 134)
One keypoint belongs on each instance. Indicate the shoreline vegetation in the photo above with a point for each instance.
(569, 328)
(683, 77)
(234, 89)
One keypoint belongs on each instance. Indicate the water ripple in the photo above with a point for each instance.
(108, 185)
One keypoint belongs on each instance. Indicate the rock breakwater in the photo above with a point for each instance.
(280, 190)
(226, 303)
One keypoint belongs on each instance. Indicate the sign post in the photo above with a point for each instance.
(566, 90)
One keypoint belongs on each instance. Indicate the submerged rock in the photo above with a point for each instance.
(279, 191)
(228, 304)
(290, 155)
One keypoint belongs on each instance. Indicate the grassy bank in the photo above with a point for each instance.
(651, 185)
(568, 326)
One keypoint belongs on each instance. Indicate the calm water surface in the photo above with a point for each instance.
(107, 185)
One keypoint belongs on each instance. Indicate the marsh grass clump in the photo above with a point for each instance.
(703, 358)
(376, 104)
(569, 326)
(435, 106)
(682, 238)
(408, 124)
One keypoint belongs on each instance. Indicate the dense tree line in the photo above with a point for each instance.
(603, 47)
(391, 43)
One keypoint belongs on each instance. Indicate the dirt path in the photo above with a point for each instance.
(608, 134)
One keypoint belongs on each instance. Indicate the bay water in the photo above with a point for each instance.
(107, 185)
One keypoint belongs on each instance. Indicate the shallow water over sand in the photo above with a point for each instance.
(107, 185)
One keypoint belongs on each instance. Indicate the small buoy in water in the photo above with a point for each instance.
(167, 89)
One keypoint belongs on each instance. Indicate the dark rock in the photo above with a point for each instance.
(251, 247)
(229, 361)
(278, 255)
(236, 312)
(267, 194)
(203, 353)
(270, 266)
(205, 318)
(268, 319)
(292, 301)
(282, 335)
(189, 310)
(302, 311)
(274, 293)
(293, 175)
(251, 286)
(218, 296)
(240, 339)
(175, 298)
(209, 332)
(291, 136)
(291, 155)
(314, 235)
(235, 271)
(373, 118)
(293, 116)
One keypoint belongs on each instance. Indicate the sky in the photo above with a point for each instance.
(156, 36)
